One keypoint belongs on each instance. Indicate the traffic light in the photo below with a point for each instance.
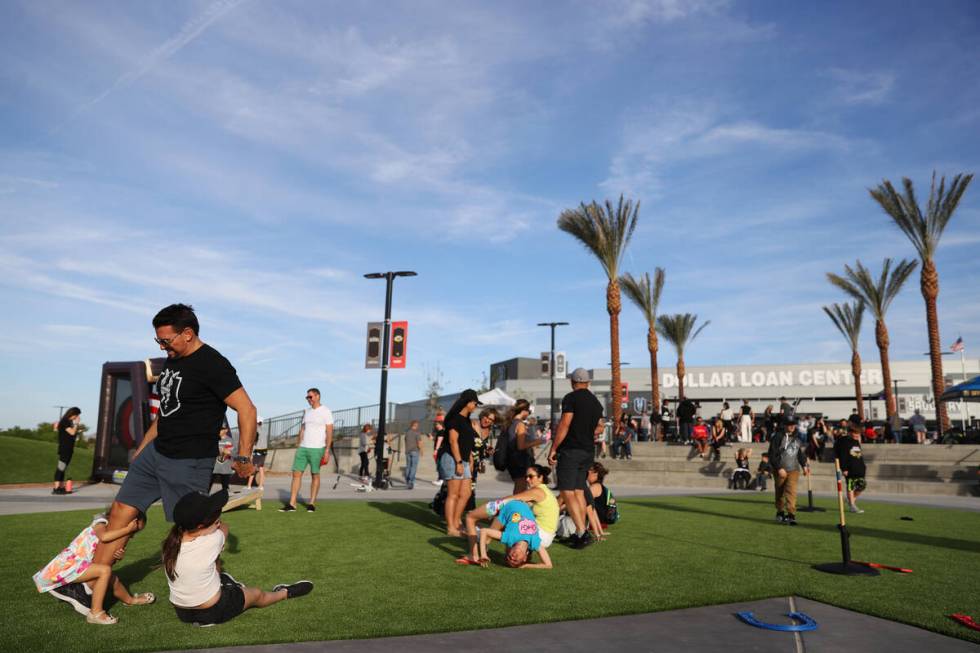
(546, 364)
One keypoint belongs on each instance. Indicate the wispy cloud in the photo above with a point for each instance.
(190, 31)
(862, 87)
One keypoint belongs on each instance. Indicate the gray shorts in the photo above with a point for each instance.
(153, 476)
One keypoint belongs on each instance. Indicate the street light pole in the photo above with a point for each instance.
(379, 442)
(551, 370)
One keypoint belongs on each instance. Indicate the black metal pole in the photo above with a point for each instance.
(551, 373)
(383, 405)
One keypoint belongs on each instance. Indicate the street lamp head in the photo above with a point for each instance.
(406, 273)
(552, 324)
(375, 275)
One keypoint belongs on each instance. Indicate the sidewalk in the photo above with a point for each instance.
(19, 500)
(694, 630)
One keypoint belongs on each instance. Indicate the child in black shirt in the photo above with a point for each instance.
(763, 472)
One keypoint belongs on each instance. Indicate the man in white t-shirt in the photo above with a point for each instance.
(315, 438)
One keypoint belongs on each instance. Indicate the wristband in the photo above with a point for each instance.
(242, 459)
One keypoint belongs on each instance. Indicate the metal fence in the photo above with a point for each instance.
(283, 430)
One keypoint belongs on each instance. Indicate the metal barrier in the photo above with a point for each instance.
(283, 430)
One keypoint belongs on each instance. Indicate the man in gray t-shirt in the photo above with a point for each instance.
(788, 458)
(413, 450)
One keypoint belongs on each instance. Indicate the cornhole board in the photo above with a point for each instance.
(243, 497)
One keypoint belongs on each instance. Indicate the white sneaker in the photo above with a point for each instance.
(437, 482)
(857, 510)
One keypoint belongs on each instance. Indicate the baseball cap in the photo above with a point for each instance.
(470, 395)
(581, 375)
(855, 424)
(196, 508)
(792, 420)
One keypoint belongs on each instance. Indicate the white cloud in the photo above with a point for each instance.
(862, 87)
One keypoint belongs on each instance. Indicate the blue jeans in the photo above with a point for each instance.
(411, 466)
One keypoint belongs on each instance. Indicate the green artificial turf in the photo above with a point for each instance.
(387, 569)
(33, 461)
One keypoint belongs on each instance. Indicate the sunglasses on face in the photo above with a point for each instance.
(309, 397)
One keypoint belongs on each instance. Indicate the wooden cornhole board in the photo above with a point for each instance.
(243, 497)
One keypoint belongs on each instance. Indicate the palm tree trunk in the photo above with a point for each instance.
(613, 307)
(929, 285)
(881, 338)
(654, 372)
(856, 371)
(680, 377)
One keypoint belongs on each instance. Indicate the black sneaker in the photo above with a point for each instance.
(59, 490)
(781, 517)
(583, 541)
(299, 588)
(571, 540)
(288, 508)
(791, 519)
(74, 595)
(310, 507)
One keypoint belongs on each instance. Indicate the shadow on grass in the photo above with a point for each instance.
(880, 533)
(413, 512)
(451, 546)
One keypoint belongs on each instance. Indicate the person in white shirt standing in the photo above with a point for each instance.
(315, 438)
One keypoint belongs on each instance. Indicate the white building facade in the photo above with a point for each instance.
(821, 388)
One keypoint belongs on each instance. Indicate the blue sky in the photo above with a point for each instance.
(255, 159)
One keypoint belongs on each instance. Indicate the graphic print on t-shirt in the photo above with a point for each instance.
(169, 392)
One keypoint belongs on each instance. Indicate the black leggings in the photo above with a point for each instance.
(363, 471)
(64, 457)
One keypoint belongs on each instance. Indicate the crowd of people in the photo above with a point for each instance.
(187, 448)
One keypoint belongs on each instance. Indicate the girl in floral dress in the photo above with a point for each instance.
(74, 565)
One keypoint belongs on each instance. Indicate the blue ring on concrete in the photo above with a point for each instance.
(807, 622)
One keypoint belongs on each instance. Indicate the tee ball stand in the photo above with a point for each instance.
(846, 567)
(809, 499)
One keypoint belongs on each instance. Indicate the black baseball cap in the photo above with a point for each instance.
(792, 420)
(196, 508)
(470, 395)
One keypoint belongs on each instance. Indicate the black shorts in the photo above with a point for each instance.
(258, 457)
(573, 468)
(229, 605)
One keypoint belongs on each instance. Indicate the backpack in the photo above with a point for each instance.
(438, 503)
(612, 511)
(500, 451)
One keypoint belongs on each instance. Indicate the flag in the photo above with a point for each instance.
(958, 345)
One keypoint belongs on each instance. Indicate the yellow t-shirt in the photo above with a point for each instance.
(546, 512)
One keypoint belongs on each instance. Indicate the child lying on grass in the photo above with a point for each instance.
(74, 566)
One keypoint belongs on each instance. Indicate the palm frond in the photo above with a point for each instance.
(847, 318)
(644, 292)
(603, 229)
(923, 230)
(678, 329)
(860, 284)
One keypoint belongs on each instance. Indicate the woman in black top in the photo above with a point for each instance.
(519, 444)
(456, 460)
(67, 430)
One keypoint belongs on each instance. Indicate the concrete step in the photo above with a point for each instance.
(820, 485)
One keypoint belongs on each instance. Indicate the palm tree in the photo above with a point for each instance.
(605, 231)
(678, 330)
(925, 230)
(646, 295)
(847, 318)
(877, 296)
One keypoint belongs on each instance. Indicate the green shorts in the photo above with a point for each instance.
(857, 484)
(308, 456)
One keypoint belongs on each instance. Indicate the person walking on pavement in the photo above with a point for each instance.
(788, 459)
(67, 432)
(315, 438)
(572, 450)
(177, 452)
(413, 451)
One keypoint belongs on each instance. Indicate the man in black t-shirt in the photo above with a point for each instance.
(573, 449)
(177, 452)
(847, 450)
